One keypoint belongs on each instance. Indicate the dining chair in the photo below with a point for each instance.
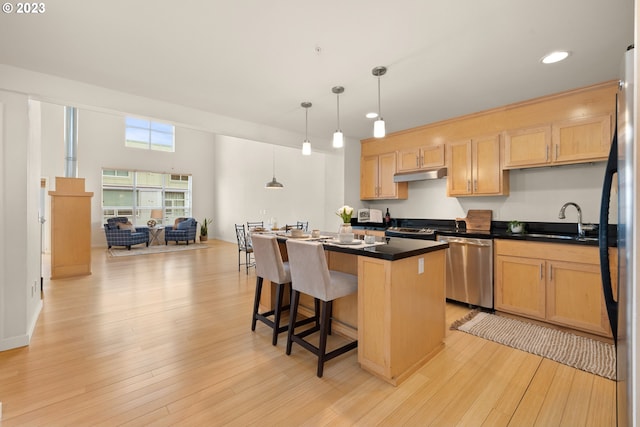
(254, 224)
(244, 246)
(310, 275)
(303, 225)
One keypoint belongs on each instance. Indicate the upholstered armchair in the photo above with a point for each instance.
(183, 230)
(120, 232)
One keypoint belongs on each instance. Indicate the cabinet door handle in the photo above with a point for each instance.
(422, 161)
(551, 273)
(468, 185)
(541, 272)
(417, 161)
(475, 185)
(556, 152)
(546, 154)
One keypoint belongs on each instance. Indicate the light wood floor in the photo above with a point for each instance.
(165, 340)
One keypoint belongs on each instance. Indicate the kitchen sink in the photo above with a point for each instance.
(587, 239)
(562, 237)
(551, 236)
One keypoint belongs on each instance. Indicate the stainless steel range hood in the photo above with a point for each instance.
(420, 175)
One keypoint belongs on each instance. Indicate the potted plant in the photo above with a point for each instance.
(204, 230)
(516, 227)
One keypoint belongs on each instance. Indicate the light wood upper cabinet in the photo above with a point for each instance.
(555, 283)
(581, 140)
(425, 157)
(376, 178)
(459, 168)
(564, 142)
(527, 147)
(474, 168)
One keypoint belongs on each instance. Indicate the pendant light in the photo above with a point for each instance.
(273, 184)
(378, 125)
(338, 137)
(306, 145)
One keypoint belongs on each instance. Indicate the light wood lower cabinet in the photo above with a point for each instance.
(401, 318)
(520, 286)
(575, 297)
(555, 283)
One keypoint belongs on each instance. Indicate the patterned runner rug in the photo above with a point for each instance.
(143, 250)
(579, 352)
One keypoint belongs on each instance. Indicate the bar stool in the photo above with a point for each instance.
(311, 275)
(269, 265)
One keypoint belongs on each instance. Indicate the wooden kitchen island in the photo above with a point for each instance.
(398, 314)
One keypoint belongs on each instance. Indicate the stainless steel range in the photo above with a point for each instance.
(421, 233)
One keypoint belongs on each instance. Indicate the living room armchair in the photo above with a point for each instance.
(120, 232)
(183, 230)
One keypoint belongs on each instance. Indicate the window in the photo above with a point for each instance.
(149, 135)
(122, 174)
(135, 194)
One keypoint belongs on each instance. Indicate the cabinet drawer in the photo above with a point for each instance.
(544, 250)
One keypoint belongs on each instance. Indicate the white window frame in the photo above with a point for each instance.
(148, 134)
(133, 212)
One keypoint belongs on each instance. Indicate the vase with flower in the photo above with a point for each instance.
(345, 214)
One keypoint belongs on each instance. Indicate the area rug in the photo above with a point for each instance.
(143, 250)
(579, 352)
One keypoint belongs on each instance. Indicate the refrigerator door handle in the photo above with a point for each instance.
(603, 236)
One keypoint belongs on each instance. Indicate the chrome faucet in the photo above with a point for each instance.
(562, 216)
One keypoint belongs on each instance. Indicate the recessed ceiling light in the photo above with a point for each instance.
(556, 56)
(372, 115)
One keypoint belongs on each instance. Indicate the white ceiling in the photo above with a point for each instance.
(257, 60)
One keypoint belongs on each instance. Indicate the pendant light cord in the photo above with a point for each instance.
(379, 109)
(338, 109)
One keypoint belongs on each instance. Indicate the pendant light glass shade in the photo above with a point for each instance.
(378, 125)
(274, 184)
(306, 145)
(306, 148)
(378, 128)
(338, 137)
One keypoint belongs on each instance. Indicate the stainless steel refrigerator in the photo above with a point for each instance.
(623, 308)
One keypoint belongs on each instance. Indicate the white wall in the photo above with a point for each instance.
(312, 186)
(228, 173)
(20, 301)
(101, 145)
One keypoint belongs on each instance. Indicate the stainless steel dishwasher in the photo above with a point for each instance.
(469, 270)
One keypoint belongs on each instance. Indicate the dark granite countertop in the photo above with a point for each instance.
(394, 249)
(390, 249)
(534, 231)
